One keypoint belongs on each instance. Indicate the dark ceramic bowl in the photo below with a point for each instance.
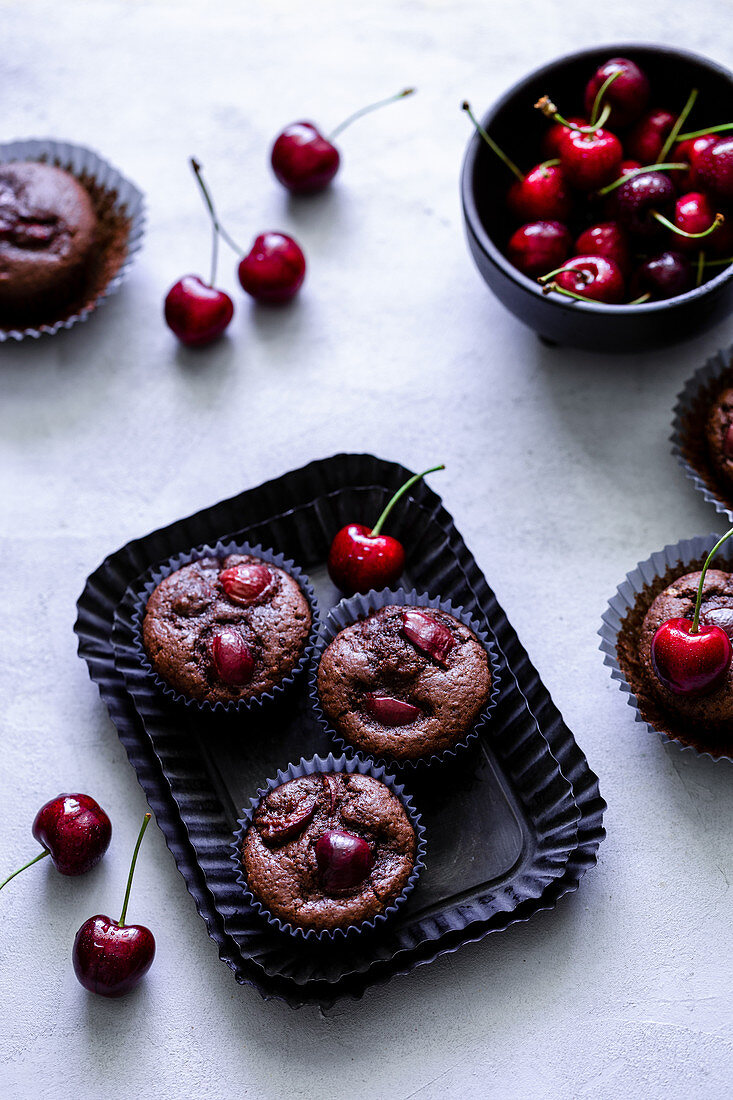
(518, 129)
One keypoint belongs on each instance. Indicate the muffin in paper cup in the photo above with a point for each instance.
(622, 623)
(120, 210)
(689, 441)
(153, 577)
(355, 608)
(323, 766)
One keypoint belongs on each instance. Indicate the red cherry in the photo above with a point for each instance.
(606, 239)
(551, 140)
(428, 635)
(73, 830)
(661, 277)
(246, 582)
(344, 860)
(390, 711)
(274, 269)
(592, 160)
(688, 152)
(542, 194)
(646, 140)
(642, 196)
(714, 168)
(627, 95)
(694, 214)
(628, 167)
(275, 829)
(687, 663)
(539, 247)
(110, 958)
(232, 657)
(361, 558)
(196, 312)
(593, 277)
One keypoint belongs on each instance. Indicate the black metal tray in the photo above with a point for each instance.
(508, 832)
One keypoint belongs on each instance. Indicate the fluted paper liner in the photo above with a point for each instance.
(688, 430)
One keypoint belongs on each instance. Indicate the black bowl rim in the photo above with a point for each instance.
(497, 257)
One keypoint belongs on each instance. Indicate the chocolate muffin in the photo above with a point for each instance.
(406, 682)
(677, 601)
(226, 629)
(48, 230)
(719, 435)
(327, 851)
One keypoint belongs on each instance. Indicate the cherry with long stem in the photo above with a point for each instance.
(368, 109)
(722, 128)
(600, 94)
(215, 226)
(698, 600)
(377, 528)
(717, 220)
(41, 855)
(549, 110)
(672, 136)
(466, 106)
(672, 165)
(141, 834)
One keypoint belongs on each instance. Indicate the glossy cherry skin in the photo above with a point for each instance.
(639, 197)
(590, 161)
(688, 152)
(553, 136)
(606, 239)
(539, 247)
(344, 860)
(593, 277)
(196, 312)
(428, 636)
(359, 561)
(304, 160)
(627, 96)
(110, 960)
(389, 711)
(232, 657)
(644, 142)
(274, 270)
(542, 194)
(245, 583)
(694, 214)
(714, 168)
(663, 276)
(690, 664)
(75, 831)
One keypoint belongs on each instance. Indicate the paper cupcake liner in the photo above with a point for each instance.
(622, 623)
(688, 430)
(310, 767)
(111, 192)
(157, 573)
(357, 607)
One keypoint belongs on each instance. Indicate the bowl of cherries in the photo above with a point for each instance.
(598, 197)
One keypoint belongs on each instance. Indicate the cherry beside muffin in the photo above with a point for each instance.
(226, 629)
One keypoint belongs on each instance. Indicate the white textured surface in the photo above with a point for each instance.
(559, 476)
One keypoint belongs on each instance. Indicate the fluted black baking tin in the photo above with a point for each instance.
(192, 803)
(688, 429)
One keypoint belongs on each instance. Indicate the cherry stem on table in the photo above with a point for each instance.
(708, 130)
(218, 228)
(376, 529)
(600, 94)
(141, 834)
(466, 106)
(672, 166)
(681, 118)
(549, 110)
(717, 220)
(696, 617)
(30, 863)
(368, 109)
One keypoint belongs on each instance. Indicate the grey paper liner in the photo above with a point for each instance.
(157, 573)
(636, 593)
(688, 430)
(322, 765)
(353, 608)
(83, 163)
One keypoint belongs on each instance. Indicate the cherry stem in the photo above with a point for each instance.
(216, 228)
(640, 300)
(376, 529)
(719, 263)
(672, 166)
(708, 130)
(681, 118)
(551, 274)
(548, 288)
(549, 110)
(717, 220)
(550, 163)
(600, 94)
(30, 863)
(368, 109)
(708, 559)
(700, 267)
(141, 834)
(465, 106)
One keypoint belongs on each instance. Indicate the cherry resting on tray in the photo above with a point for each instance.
(690, 659)
(110, 957)
(304, 161)
(196, 311)
(73, 830)
(273, 270)
(362, 558)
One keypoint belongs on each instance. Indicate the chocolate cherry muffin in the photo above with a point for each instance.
(406, 682)
(719, 435)
(713, 706)
(226, 629)
(326, 851)
(48, 230)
